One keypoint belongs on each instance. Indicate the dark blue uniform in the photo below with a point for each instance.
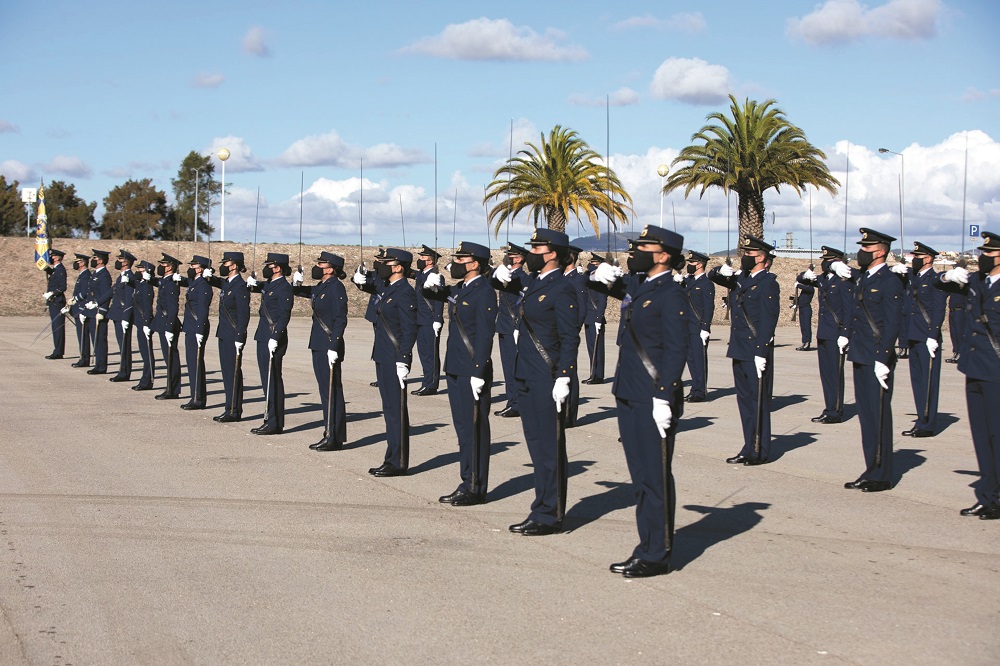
(275, 312)
(197, 306)
(122, 313)
(329, 321)
(100, 293)
(56, 285)
(395, 335)
(579, 281)
(925, 307)
(958, 324)
(234, 319)
(804, 305)
(429, 312)
(82, 317)
(835, 295)
(373, 286)
(595, 326)
(509, 304)
(165, 321)
(698, 315)
(142, 308)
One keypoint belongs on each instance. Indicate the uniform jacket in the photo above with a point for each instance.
(396, 313)
(978, 359)
(551, 308)
(122, 294)
(373, 285)
(753, 312)
(81, 292)
(472, 307)
(275, 308)
(806, 289)
(142, 302)
(835, 295)
(579, 282)
(596, 302)
(57, 285)
(100, 290)
(167, 305)
(924, 306)
(329, 314)
(701, 303)
(234, 308)
(509, 300)
(882, 295)
(197, 306)
(623, 290)
(428, 310)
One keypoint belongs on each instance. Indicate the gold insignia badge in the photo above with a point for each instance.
(322, 297)
(646, 303)
(541, 298)
(996, 298)
(464, 303)
(874, 291)
(389, 301)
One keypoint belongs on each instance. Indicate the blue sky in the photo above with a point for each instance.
(97, 93)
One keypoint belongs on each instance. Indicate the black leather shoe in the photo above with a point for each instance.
(819, 419)
(373, 384)
(81, 364)
(909, 433)
(469, 499)
(511, 413)
(389, 470)
(267, 430)
(448, 499)
(531, 528)
(331, 445)
(262, 426)
(619, 567)
(976, 510)
(372, 470)
(142, 387)
(832, 419)
(855, 485)
(753, 462)
(322, 442)
(992, 513)
(424, 390)
(953, 359)
(189, 406)
(806, 347)
(167, 396)
(95, 371)
(518, 528)
(919, 432)
(119, 378)
(695, 398)
(875, 486)
(644, 569)
(592, 381)
(228, 418)
(737, 460)
(54, 357)
(502, 411)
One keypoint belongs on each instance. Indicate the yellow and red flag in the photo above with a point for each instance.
(42, 244)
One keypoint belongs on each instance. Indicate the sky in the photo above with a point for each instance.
(432, 97)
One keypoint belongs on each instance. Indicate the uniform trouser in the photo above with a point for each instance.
(231, 365)
(84, 336)
(748, 388)
(124, 338)
(270, 367)
(573, 401)
(983, 401)
(655, 497)
(195, 356)
(429, 351)
(877, 446)
(508, 355)
(58, 328)
(100, 344)
(463, 410)
(831, 377)
(595, 349)
(925, 371)
(697, 363)
(538, 420)
(806, 323)
(334, 425)
(397, 419)
(148, 358)
(957, 320)
(173, 360)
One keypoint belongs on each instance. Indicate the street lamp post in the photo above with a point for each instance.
(662, 170)
(902, 179)
(197, 181)
(223, 155)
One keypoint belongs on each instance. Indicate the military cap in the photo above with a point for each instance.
(428, 252)
(872, 237)
(146, 266)
(671, 240)
(276, 258)
(576, 250)
(396, 254)
(754, 243)
(235, 257)
(101, 254)
(84, 257)
(920, 248)
(204, 262)
(697, 256)
(549, 237)
(123, 254)
(515, 249)
(333, 259)
(832, 253)
(57, 253)
(992, 241)
(467, 249)
(167, 259)
(597, 258)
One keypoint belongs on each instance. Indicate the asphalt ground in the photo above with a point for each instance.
(134, 532)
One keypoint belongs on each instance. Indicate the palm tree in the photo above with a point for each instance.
(561, 178)
(749, 153)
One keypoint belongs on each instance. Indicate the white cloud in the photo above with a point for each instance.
(330, 150)
(19, 171)
(690, 22)
(841, 21)
(208, 80)
(496, 39)
(624, 96)
(241, 157)
(68, 166)
(253, 43)
(976, 95)
(7, 126)
(514, 137)
(692, 81)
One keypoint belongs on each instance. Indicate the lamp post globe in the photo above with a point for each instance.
(223, 155)
(662, 170)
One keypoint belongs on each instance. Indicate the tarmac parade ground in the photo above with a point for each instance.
(133, 532)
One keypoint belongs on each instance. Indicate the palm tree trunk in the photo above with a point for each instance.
(751, 212)
(556, 219)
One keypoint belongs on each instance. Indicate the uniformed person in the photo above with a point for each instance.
(836, 290)
(803, 299)
(548, 338)
(701, 309)
(98, 305)
(55, 299)
(395, 335)
(430, 320)
(122, 313)
(958, 320)
(81, 317)
(610, 280)
(755, 304)
(326, 340)
(509, 296)
(575, 274)
(144, 313)
(369, 282)
(472, 320)
(649, 396)
(979, 361)
(272, 339)
(234, 319)
(167, 323)
(595, 323)
(196, 327)
(871, 330)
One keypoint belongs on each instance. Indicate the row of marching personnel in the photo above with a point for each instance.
(536, 304)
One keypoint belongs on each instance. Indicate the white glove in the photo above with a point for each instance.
(606, 274)
(841, 269)
(177, 277)
(725, 270)
(332, 356)
(899, 269)
(147, 331)
(200, 338)
(169, 336)
(515, 336)
(91, 305)
(704, 337)
(842, 343)
(83, 318)
(958, 275)
(125, 278)
(761, 364)
(298, 278)
(65, 310)
(437, 329)
(434, 281)
(881, 374)
(402, 372)
(358, 278)
(477, 387)
(502, 273)
(100, 317)
(47, 295)
(808, 274)
(239, 347)
(580, 270)
(146, 276)
(447, 269)
(207, 273)
(125, 326)
(678, 278)
(251, 281)
(272, 345)
(560, 391)
(662, 415)
(598, 326)
(932, 346)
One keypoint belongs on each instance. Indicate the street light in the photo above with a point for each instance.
(663, 170)
(223, 155)
(902, 177)
(197, 181)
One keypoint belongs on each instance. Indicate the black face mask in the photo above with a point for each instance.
(747, 263)
(384, 271)
(826, 265)
(535, 262)
(224, 270)
(918, 264)
(692, 269)
(268, 272)
(421, 264)
(986, 265)
(640, 261)
(317, 273)
(459, 271)
(118, 264)
(865, 259)
(78, 265)
(161, 270)
(93, 263)
(192, 274)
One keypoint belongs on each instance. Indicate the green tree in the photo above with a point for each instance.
(193, 178)
(560, 178)
(13, 218)
(69, 215)
(133, 211)
(748, 153)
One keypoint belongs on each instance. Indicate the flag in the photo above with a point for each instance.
(42, 244)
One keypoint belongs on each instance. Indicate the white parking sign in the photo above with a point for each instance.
(974, 230)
